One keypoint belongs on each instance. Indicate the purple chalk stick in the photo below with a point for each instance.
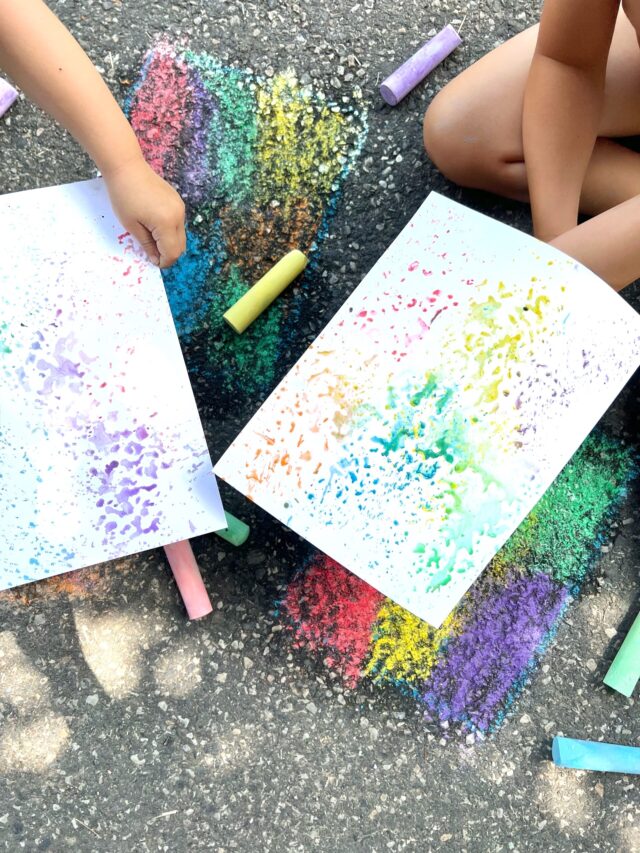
(407, 77)
(7, 96)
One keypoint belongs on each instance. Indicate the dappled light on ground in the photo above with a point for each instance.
(178, 670)
(113, 645)
(568, 797)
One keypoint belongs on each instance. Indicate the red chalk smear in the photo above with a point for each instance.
(332, 609)
(159, 108)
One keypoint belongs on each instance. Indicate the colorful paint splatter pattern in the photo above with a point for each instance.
(103, 451)
(426, 421)
(468, 673)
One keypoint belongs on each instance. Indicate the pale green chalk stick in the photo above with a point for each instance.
(624, 672)
(236, 532)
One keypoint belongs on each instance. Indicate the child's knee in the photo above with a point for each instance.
(446, 125)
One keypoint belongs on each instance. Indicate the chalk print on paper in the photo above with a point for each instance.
(103, 453)
(468, 674)
(260, 164)
(438, 405)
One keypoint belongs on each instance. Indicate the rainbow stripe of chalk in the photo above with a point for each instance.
(624, 672)
(260, 164)
(188, 579)
(595, 755)
(468, 673)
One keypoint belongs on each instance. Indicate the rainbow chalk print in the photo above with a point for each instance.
(593, 755)
(415, 69)
(241, 315)
(624, 672)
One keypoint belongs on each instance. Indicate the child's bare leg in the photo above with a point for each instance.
(473, 128)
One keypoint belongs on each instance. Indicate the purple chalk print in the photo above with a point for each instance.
(415, 69)
(7, 96)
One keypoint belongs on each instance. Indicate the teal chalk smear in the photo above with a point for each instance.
(5, 349)
(187, 282)
(233, 132)
(254, 351)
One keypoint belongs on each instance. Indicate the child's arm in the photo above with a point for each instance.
(52, 69)
(562, 107)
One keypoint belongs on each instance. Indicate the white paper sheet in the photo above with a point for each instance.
(435, 409)
(102, 453)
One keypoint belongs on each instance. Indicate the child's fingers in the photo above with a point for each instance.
(147, 241)
(171, 241)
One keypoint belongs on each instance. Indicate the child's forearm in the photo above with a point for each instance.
(608, 244)
(51, 68)
(560, 122)
(562, 106)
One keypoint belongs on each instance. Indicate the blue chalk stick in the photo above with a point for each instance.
(593, 755)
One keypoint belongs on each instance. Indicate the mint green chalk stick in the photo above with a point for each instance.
(624, 672)
(236, 532)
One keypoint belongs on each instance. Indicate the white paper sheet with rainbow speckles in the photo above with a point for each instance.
(102, 453)
(438, 405)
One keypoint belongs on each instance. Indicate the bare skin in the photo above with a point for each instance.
(555, 97)
(52, 69)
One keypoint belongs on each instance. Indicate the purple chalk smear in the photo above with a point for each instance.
(494, 650)
(415, 69)
(7, 96)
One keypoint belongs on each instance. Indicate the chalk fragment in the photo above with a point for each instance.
(415, 69)
(7, 96)
(236, 532)
(261, 295)
(593, 755)
(188, 579)
(624, 672)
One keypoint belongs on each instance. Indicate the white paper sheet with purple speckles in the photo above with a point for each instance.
(102, 452)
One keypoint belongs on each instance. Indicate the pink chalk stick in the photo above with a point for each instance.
(187, 574)
(7, 96)
(415, 69)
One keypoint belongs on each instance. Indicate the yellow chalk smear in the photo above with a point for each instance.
(404, 647)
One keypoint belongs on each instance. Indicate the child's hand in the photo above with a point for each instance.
(149, 208)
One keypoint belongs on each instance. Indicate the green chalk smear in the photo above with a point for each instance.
(255, 351)
(234, 127)
(439, 580)
(559, 533)
(5, 349)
